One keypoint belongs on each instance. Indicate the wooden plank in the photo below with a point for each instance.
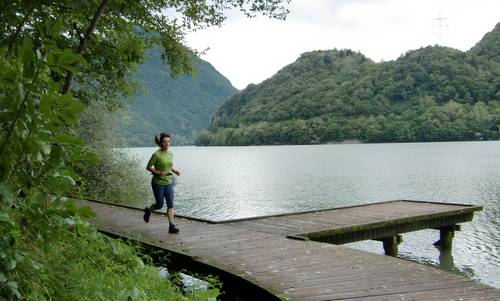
(306, 223)
(456, 291)
(258, 251)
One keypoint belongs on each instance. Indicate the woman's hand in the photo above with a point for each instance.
(178, 173)
(155, 172)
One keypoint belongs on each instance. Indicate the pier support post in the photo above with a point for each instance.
(446, 235)
(391, 244)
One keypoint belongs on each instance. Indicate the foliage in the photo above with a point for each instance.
(37, 149)
(80, 265)
(117, 177)
(112, 35)
(182, 105)
(488, 47)
(430, 94)
(202, 289)
(57, 57)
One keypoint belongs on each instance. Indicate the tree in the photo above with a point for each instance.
(56, 56)
(60, 55)
(425, 95)
(112, 35)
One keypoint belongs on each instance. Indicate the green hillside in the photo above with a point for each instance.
(182, 106)
(430, 94)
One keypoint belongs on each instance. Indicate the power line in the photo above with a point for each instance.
(440, 23)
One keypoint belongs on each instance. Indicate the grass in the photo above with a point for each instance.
(54, 254)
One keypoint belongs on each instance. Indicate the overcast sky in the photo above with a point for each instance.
(252, 50)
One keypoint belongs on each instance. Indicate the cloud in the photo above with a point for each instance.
(252, 50)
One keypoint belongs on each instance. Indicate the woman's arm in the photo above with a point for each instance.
(155, 172)
(178, 173)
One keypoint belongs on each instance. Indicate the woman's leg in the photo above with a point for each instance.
(159, 194)
(170, 216)
(169, 197)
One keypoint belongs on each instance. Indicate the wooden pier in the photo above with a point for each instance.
(286, 256)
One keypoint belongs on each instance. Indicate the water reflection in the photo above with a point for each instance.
(446, 260)
(220, 183)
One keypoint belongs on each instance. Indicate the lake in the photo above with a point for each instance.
(220, 183)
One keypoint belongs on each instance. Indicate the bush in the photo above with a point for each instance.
(117, 177)
(54, 254)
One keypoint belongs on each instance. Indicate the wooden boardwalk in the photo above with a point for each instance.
(261, 251)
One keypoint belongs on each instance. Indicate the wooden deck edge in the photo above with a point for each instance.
(401, 295)
(187, 261)
(301, 212)
(470, 207)
(389, 228)
(141, 209)
(251, 283)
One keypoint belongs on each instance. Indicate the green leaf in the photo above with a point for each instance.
(86, 212)
(56, 156)
(12, 284)
(88, 156)
(206, 295)
(62, 180)
(14, 288)
(66, 139)
(70, 205)
(51, 60)
(54, 28)
(11, 264)
(68, 58)
(31, 148)
(68, 68)
(28, 55)
(38, 157)
(69, 108)
(11, 75)
(47, 102)
(69, 221)
(44, 147)
(5, 218)
(69, 179)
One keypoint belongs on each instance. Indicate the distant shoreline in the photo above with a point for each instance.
(347, 141)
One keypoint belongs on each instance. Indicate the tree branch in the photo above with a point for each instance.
(13, 39)
(20, 110)
(84, 42)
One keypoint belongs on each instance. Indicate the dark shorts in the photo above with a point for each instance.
(162, 192)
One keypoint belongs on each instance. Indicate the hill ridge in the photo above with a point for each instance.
(433, 93)
(182, 106)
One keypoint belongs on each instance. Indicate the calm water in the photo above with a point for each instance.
(219, 183)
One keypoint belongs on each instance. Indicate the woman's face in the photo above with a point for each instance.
(165, 143)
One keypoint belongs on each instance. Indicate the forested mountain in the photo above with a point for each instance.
(431, 94)
(182, 106)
